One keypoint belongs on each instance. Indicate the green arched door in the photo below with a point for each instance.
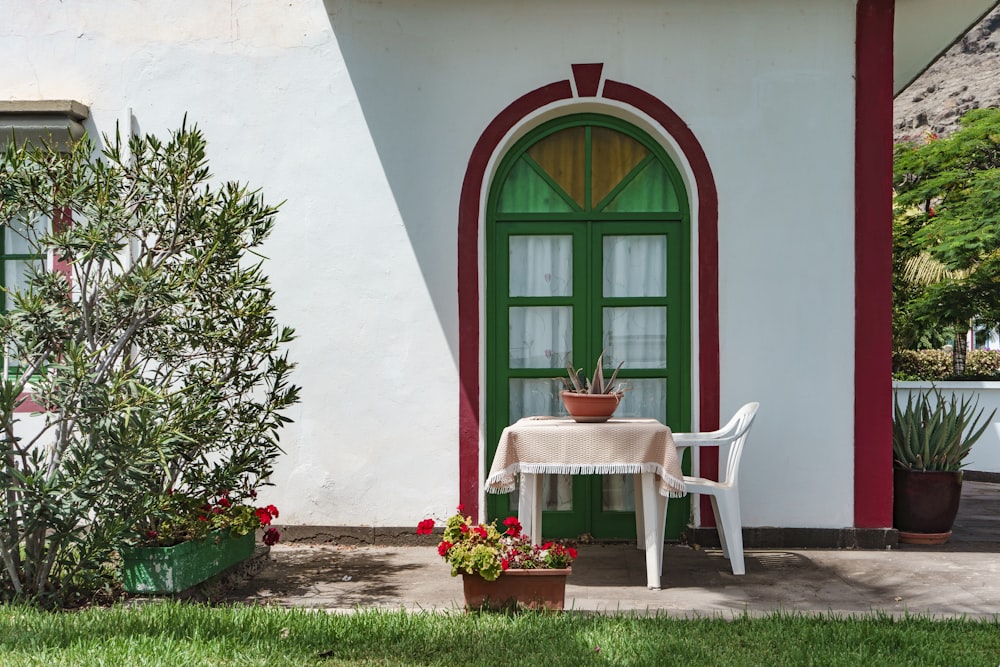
(587, 250)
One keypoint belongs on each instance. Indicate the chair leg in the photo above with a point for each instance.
(640, 522)
(730, 525)
(654, 508)
(529, 506)
(719, 525)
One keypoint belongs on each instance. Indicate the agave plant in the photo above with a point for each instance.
(936, 434)
(579, 383)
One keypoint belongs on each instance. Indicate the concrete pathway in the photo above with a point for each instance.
(961, 578)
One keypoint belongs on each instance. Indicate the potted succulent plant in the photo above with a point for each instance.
(502, 569)
(931, 436)
(591, 399)
(188, 539)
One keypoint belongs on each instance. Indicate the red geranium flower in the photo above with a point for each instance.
(464, 528)
(513, 526)
(443, 547)
(272, 510)
(224, 501)
(271, 536)
(504, 564)
(481, 531)
(425, 527)
(263, 516)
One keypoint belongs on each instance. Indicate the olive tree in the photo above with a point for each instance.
(146, 333)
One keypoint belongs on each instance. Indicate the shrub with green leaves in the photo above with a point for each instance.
(933, 365)
(934, 433)
(150, 342)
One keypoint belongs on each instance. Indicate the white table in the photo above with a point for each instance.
(536, 446)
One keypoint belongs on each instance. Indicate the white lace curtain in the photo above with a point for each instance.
(542, 336)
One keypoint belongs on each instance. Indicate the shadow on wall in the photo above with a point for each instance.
(429, 78)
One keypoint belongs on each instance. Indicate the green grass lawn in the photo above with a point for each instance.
(184, 634)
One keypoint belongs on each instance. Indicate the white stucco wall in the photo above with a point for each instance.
(361, 116)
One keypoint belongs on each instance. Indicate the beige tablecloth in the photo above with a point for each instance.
(545, 445)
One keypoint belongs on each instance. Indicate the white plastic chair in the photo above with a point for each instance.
(725, 493)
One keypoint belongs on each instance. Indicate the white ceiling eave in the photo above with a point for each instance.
(925, 29)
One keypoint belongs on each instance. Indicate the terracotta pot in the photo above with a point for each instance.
(590, 407)
(925, 504)
(517, 589)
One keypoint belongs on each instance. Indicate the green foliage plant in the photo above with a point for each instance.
(486, 550)
(946, 247)
(934, 365)
(150, 343)
(578, 382)
(931, 434)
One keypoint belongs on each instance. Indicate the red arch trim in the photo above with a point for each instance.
(468, 265)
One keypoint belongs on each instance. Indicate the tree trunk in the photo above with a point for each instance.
(958, 353)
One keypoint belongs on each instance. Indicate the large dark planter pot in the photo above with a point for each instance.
(925, 504)
(177, 568)
(517, 589)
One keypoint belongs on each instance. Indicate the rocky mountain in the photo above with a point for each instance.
(966, 77)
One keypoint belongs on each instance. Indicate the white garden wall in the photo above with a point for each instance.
(362, 116)
(985, 454)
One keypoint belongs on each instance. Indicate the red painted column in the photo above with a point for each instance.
(873, 265)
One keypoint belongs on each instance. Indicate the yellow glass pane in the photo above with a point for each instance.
(613, 156)
(562, 156)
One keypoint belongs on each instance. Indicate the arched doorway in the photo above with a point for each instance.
(587, 250)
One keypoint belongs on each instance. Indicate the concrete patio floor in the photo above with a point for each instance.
(961, 578)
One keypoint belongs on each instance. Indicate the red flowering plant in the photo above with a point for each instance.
(180, 517)
(488, 551)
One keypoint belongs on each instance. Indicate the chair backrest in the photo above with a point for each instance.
(732, 437)
(737, 431)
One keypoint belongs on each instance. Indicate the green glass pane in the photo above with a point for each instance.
(649, 191)
(525, 191)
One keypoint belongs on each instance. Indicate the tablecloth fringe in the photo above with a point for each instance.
(505, 480)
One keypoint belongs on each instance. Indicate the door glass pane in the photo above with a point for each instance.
(540, 336)
(635, 266)
(16, 276)
(532, 397)
(618, 493)
(645, 398)
(614, 155)
(650, 190)
(561, 155)
(637, 336)
(557, 494)
(525, 191)
(19, 233)
(541, 266)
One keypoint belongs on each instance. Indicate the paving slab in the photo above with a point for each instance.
(961, 578)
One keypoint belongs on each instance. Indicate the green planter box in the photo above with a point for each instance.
(177, 568)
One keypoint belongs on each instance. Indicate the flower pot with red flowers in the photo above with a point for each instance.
(188, 540)
(502, 569)
(931, 436)
(592, 400)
